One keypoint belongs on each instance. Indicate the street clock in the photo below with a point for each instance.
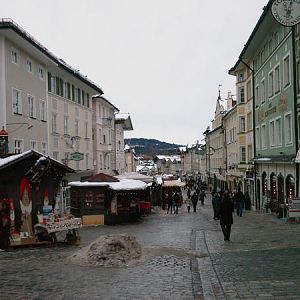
(286, 12)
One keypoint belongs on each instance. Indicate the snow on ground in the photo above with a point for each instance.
(109, 251)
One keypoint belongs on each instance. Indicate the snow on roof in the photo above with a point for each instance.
(127, 147)
(7, 160)
(171, 158)
(122, 185)
(121, 116)
(136, 176)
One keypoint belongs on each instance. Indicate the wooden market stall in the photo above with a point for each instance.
(29, 183)
(104, 199)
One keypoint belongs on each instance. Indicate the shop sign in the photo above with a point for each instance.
(297, 159)
(77, 156)
(294, 208)
(286, 12)
(249, 174)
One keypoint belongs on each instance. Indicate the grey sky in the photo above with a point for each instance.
(159, 60)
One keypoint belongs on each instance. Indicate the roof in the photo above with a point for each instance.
(13, 159)
(101, 177)
(167, 158)
(125, 120)
(6, 23)
(174, 183)
(100, 97)
(136, 176)
(122, 185)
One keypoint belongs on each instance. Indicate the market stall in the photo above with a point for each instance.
(171, 186)
(29, 182)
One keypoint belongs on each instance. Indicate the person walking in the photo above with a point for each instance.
(194, 200)
(169, 202)
(216, 203)
(176, 198)
(202, 196)
(188, 203)
(188, 193)
(239, 199)
(226, 219)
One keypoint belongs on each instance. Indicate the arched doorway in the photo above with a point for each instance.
(273, 186)
(290, 187)
(280, 182)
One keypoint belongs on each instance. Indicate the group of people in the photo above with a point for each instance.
(194, 198)
(223, 207)
(172, 200)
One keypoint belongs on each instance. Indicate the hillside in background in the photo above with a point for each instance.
(152, 147)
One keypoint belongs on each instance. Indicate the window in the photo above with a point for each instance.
(14, 56)
(16, 103)
(257, 138)
(88, 199)
(277, 80)
(104, 139)
(242, 124)
(54, 122)
(100, 161)
(44, 148)
(249, 121)
(41, 73)
(257, 96)
(43, 110)
(242, 154)
(33, 145)
(66, 123)
(242, 94)
(263, 136)
(73, 93)
(278, 133)
(86, 130)
(55, 142)
(271, 84)
(286, 71)
(55, 155)
(18, 146)
(99, 197)
(31, 106)
(249, 95)
(262, 92)
(272, 133)
(241, 77)
(29, 66)
(77, 127)
(288, 128)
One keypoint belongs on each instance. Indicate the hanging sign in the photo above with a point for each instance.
(286, 12)
(76, 156)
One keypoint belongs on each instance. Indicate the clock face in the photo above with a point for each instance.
(286, 12)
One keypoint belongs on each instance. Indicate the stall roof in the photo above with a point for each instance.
(11, 160)
(136, 176)
(174, 183)
(122, 185)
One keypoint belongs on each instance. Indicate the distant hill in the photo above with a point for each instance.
(151, 147)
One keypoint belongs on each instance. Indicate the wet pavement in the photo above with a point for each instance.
(185, 257)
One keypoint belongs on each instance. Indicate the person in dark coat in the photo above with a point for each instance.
(216, 203)
(169, 202)
(239, 199)
(194, 200)
(176, 198)
(226, 219)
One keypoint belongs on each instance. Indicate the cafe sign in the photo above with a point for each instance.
(77, 156)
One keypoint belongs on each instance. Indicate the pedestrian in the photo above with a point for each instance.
(194, 200)
(226, 219)
(176, 198)
(216, 203)
(169, 202)
(188, 203)
(197, 190)
(202, 196)
(239, 199)
(188, 193)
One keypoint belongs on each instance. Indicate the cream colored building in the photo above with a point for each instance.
(104, 135)
(45, 104)
(122, 123)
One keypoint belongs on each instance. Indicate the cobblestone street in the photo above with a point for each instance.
(185, 257)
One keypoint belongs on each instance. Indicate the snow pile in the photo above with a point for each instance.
(109, 251)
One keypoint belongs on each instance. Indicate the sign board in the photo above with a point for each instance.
(294, 208)
(77, 156)
(286, 12)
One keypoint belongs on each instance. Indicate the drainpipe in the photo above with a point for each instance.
(295, 106)
(253, 129)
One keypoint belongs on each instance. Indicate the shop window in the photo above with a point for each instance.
(99, 197)
(88, 200)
